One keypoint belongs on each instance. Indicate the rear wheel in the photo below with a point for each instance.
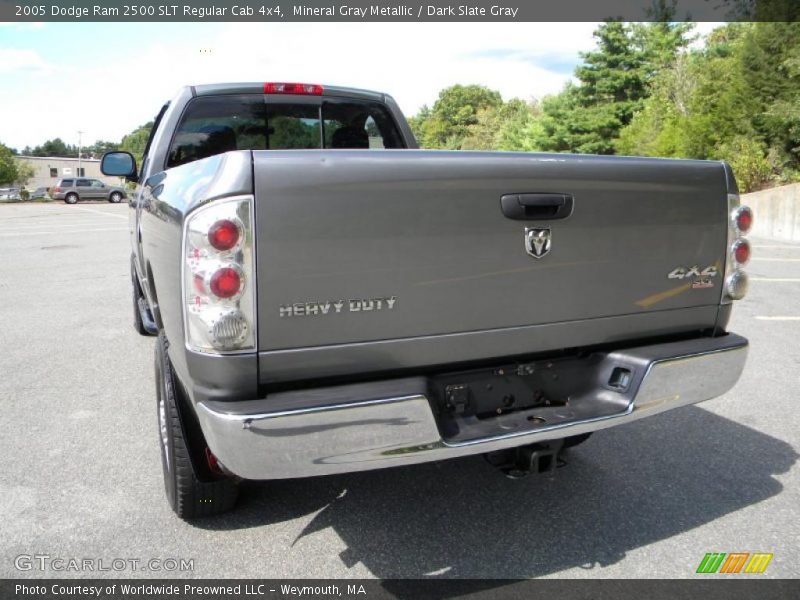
(71, 198)
(193, 489)
(115, 197)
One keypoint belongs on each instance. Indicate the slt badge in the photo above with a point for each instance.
(538, 241)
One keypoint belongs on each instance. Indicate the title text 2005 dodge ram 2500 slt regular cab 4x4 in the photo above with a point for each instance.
(328, 298)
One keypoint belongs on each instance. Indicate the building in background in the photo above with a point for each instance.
(49, 169)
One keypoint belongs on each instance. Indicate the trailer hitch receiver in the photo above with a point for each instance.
(541, 458)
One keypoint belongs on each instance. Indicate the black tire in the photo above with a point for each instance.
(115, 198)
(71, 198)
(138, 324)
(576, 440)
(193, 490)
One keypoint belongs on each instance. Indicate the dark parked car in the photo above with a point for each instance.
(72, 189)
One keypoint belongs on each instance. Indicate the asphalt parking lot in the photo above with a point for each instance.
(81, 474)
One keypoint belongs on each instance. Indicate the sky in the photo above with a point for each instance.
(106, 79)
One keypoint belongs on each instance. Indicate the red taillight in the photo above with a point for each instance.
(305, 89)
(741, 251)
(223, 235)
(56, 190)
(743, 219)
(225, 283)
(218, 271)
(740, 222)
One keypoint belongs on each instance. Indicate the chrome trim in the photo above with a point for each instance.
(315, 409)
(538, 241)
(370, 433)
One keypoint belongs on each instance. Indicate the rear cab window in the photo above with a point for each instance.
(215, 124)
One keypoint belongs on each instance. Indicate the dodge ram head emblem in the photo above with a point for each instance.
(537, 241)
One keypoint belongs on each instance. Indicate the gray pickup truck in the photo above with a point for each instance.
(328, 298)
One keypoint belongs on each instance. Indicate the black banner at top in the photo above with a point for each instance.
(397, 10)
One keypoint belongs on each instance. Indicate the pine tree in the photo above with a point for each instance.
(588, 117)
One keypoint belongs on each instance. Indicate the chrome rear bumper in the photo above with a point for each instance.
(391, 423)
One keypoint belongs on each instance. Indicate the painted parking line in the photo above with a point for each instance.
(765, 318)
(777, 279)
(43, 232)
(60, 225)
(101, 212)
(766, 259)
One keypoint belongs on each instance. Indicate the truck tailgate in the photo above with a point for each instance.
(365, 247)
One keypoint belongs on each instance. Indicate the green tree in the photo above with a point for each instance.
(136, 140)
(747, 158)
(499, 127)
(55, 147)
(448, 122)
(662, 46)
(736, 99)
(417, 122)
(587, 117)
(25, 173)
(100, 147)
(8, 166)
(519, 120)
(770, 63)
(614, 80)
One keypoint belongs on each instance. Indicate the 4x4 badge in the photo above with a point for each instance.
(684, 272)
(538, 241)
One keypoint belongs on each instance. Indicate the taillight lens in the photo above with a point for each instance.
(225, 282)
(219, 267)
(736, 285)
(303, 89)
(224, 234)
(743, 219)
(741, 251)
(740, 223)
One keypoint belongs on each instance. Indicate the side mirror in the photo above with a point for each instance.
(119, 164)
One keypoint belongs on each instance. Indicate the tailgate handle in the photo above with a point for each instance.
(539, 206)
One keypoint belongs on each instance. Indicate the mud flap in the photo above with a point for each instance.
(148, 322)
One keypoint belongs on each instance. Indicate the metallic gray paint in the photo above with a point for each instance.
(427, 227)
(432, 350)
